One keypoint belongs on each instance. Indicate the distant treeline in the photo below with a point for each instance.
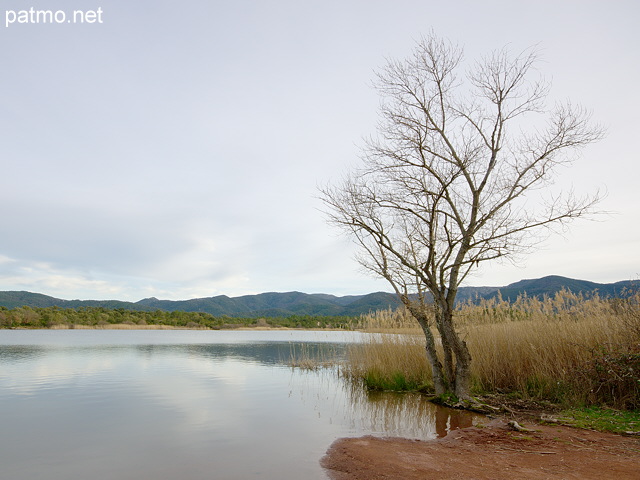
(99, 317)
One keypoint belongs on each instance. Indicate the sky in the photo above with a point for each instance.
(174, 149)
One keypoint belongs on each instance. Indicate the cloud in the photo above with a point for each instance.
(138, 162)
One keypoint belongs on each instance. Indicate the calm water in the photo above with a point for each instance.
(153, 404)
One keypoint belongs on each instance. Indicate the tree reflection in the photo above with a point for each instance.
(405, 414)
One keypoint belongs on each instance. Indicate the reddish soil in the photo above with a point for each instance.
(492, 452)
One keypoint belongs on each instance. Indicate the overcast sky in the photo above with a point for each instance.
(175, 149)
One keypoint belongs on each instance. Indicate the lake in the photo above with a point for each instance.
(179, 404)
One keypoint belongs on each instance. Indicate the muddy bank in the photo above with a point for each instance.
(491, 452)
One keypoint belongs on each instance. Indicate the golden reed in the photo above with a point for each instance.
(565, 348)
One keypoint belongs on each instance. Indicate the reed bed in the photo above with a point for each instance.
(387, 321)
(121, 326)
(389, 362)
(313, 357)
(566, 348)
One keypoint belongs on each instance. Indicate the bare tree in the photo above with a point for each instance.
(444, 185)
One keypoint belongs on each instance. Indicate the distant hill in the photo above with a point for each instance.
(296, 303)
(18, 299)
(552, 284)
(262, 305)
(278, 304)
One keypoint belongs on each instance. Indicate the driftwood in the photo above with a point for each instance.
(513, 425)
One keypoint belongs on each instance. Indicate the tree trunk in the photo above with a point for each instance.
(446, 348)
(462, 382)
(454, 377)
(441, 383)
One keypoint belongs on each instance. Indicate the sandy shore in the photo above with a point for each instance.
(492, 452)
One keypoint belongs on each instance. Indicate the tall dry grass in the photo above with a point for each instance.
(389, 321)
(565, 348)
(389, 362)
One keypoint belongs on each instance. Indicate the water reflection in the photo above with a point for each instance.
(405, 414)
(18, 353)
(448, 420)
(186, 406)
(279, 353)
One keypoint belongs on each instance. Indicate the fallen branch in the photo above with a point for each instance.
(513, 425)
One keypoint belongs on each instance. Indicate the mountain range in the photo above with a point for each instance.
(297, 303)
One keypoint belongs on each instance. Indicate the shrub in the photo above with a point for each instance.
(613, 375)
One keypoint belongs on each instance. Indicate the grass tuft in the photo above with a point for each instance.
(603, 419)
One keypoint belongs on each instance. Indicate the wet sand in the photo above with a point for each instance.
(491, 452)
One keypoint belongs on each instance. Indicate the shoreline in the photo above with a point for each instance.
(126, 326)
(488, 452)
